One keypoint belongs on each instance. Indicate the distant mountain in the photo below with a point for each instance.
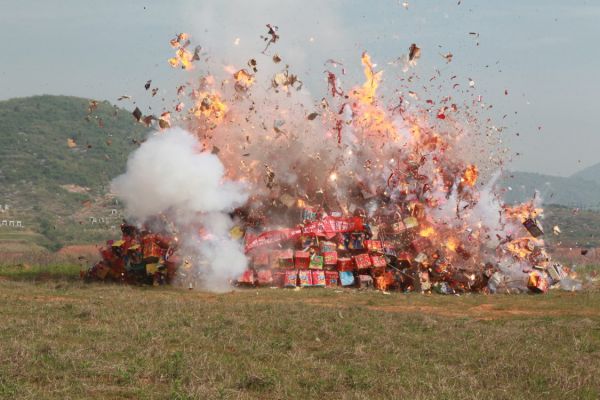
(571, 192)
(590, 174)
(57, 156)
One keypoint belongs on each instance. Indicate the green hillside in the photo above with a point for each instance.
(55, 189)
(590, 174)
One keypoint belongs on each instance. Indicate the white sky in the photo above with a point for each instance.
(544, 52)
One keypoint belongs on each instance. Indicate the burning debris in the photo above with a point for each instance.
(363, 196)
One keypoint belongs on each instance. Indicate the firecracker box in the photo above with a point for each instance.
(316, 262)
(374, 245)
(309, 214)
(305, 278)
(101, 270)
(247, 277)
(332, 278)
(291, 278)
(556, 272)
(301, 259)
(327, 247)
(419, 244)
(345, 264)
(318, 278)
(330, 258)
(384, 281)
(362, 261)
(264, 277)
(346, 278)
(279, 278)
(286, 258)
(378, 261)
(534, 227)
(151, 251)
(389, 248)
(261, 259)
(365, 281)
(410, 223)
(356, 242)
(537, 283)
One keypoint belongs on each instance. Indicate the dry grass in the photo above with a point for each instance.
(65, 339)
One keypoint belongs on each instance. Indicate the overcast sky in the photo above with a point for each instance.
(544, 52)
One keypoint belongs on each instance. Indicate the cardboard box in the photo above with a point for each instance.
(327, 247)
(318, 278)
(332, 278)
(374, 245)
(362, 261)
(247, 277)
(345, 264)
(261, 260)
(264, 277)
(316, 262)
(330, 258)
(378, 261)
(286, 259)
(533, 227)
(305, 278)
(301, 259)
(291, 278)
(346, 278)
(365, 281)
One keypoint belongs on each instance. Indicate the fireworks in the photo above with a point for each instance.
(366, 194)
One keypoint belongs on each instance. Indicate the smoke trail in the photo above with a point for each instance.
(168, 175)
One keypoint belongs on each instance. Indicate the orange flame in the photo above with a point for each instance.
(470, 175)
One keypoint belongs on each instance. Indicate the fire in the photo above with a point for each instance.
(522, 212)
(243, 80)
(369, 88)
(452, 244)
(427, 232)
(210, 106)
(470, 175)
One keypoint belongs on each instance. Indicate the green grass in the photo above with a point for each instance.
(66, 339)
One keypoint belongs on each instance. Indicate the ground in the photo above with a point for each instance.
(61, 338)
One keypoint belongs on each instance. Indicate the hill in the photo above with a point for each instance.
(57, 155)
(570, 191)
(590, 174)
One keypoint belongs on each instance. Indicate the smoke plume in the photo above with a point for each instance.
(169, 176)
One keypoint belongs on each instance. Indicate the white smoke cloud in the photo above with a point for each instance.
(169, 175)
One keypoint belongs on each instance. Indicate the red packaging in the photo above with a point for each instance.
(291, 278)
(378, 261)
(261, 260)
(330, 257)
(301, 259)
(327, 247)
(420, 244)
(151, 251)
(286, 258)
(345, 264)
(305, 278)
(332, 278)
(278, 278)
(318, 278)
(374, 245)
(247, 277)
(362, 261)
(264, 277)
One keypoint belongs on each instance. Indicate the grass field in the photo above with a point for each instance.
(63, 339)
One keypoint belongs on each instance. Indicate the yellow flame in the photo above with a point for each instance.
(470, 175)
(427, 232)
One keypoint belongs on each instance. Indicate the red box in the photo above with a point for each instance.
(345, 264)
(305, 278)
(261, 260)
(286, 258)
(247, 277)
(264, 277)
(378, 261)
(330, 258)
(278, 278)
(374, 245)
(327, 247)
(420, 244)
(301, 259)
(332, 278)
(291, 278)
(318, 278)
(362, 261)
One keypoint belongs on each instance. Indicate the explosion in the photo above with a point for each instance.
(347, 191)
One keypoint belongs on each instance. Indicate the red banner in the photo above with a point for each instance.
(328, 227)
